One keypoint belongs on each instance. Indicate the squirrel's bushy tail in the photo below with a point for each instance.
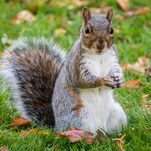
(30, 68)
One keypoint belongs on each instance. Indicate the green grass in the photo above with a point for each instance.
(133, 31)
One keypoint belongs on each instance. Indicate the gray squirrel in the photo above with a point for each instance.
(73, 90)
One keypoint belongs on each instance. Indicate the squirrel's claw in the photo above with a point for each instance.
(119, 81)
(109, 81)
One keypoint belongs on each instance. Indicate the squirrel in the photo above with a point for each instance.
(73, 90)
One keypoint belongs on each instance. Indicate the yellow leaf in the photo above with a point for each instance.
(23, 15)
(25, 133)
(140, 11)
(136, 67)
(59, 32)
(124, 4)
(143, 60)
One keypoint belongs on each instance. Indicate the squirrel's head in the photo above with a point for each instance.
(97, 32)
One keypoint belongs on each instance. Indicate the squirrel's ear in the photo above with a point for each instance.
(86, 15)
(110, 15)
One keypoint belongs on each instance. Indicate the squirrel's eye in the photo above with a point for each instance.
(111, 31)
(87, 31)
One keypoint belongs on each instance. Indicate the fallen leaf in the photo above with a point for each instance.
(132, 84)
(139, 66)
(127, 109)
(143, 60)
(25, 133)
(105, 6)
(124, 65)
(45, 133)
(120, 142)
(59, 32)
(75, 4)
(120, 17)
(95, 10)
(124, 4)
(20, 122)
(16, 21)
(76, 135)
(140, 11)
(24, 15)
(80, 3)
(136, 67)
(4, 148)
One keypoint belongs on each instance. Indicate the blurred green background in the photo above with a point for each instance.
(132, 34)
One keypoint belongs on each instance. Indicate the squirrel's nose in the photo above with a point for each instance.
(101, 41)
(100, 46)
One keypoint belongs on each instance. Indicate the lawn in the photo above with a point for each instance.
(61, 20)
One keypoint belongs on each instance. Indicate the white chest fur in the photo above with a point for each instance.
(98, 102)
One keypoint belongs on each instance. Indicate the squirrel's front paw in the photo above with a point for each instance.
(109, 82)
(119, 81)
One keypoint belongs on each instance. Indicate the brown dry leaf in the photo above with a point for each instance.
(124, 65)
(136, 67)
(14, 20)
(120, 142)
(4, 148)
(132, 84)
(24, 133)
(59, 32)
(20, 122)
(105, 6)
(143, 60)
(95, 10)
(80, 3)
(24, 15)
(76, 135)
(140, 11)
(139, 66)
(124, 4)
